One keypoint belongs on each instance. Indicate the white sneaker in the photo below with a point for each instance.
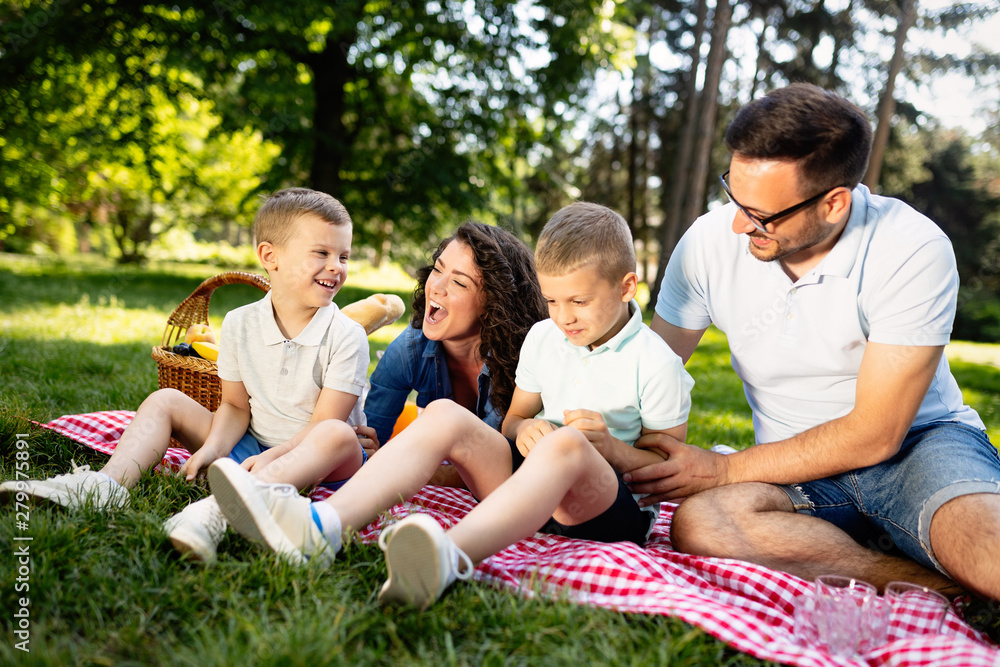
(197, 530)
(723, 449)
(274, 515)
(422, 561)
(79, 487)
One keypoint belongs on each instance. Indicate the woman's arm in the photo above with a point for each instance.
(391, 384)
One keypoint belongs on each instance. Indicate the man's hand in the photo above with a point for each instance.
(530, 431)
(368, 439)
(592, 425)
(687, 470)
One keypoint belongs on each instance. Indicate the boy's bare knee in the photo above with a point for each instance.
(569, 445)
(333, 433)
(450, 419)
(167, 400)
(444, 407)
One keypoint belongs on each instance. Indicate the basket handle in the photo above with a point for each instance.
(194, 309)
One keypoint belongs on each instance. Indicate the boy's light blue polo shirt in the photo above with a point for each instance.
(633, 380)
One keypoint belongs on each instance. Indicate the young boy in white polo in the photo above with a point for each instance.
(291, 366)
(590, 381)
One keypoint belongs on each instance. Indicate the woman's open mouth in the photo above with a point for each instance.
(435, 313)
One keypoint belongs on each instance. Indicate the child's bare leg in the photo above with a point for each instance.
(164, 413)
(563, 477)
(330, 452)
(444, 430)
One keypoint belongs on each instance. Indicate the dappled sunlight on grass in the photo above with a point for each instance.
(389, 277)
(84, 321)
(76, 335)
(976, 353)
(981, 390)
(710, 427)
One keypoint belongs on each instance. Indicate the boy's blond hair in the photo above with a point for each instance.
(584, 233)
(276, 219)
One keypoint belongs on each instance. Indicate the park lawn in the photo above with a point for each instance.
(75, 336)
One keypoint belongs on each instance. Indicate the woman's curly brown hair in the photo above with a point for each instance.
(512, 300)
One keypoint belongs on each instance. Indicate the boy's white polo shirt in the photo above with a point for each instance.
(633, 380)
(798, 345)
(284, 377)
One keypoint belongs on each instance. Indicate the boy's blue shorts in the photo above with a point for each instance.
(888, 507)
(624, 521)
(245, 448)
(249, 446)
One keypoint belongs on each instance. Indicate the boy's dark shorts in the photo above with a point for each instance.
(624, 521)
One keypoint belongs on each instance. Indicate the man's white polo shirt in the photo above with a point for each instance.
(633, 380)
(284, 377)
(797, 346)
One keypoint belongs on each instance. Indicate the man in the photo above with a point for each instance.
(837, 305)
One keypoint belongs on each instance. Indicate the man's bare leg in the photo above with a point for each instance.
(757, 523)
(965, 537)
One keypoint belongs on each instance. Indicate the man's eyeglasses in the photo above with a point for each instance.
(759, 222)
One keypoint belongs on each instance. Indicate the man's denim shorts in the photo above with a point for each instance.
(889, 506)
(248, 446)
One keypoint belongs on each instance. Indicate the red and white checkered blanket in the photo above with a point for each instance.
(747, 606)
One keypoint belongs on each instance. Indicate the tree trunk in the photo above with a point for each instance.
(694, 200)
(637, 122)
(887, 102)
(759, 69)
(682, 155)
(845, 23)
(331, 140)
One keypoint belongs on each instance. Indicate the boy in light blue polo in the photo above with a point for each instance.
(590, 381)
(594, 365)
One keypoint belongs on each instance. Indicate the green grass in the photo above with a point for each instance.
(108, 588)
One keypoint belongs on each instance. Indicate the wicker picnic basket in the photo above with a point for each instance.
(196, 377)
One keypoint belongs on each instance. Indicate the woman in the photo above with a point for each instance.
(472, 308)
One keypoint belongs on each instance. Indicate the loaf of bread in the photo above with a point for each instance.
(376, 311)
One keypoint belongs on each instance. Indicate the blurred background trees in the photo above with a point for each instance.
(146, 129)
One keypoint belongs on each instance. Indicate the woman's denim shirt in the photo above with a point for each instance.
(414, 362)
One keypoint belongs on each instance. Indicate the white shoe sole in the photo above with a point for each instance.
(60, 497)
(236, 491)
(191, 545)
(414, 565)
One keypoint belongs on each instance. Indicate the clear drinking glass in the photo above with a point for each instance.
(804, 607)
(874, 624)
(916, 610)
(841, 604)
(838, 624)
(830, 584)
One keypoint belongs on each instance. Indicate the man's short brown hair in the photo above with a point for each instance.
(829, 137)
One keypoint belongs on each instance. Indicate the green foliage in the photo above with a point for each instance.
(385, 105)
(952, 180)
(116, 136)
